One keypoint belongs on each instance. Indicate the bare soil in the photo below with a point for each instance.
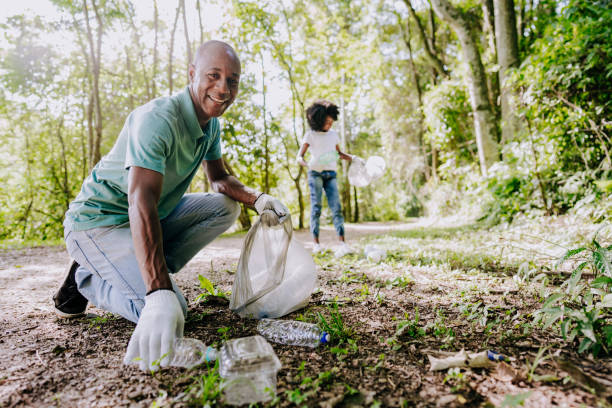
(45, 361)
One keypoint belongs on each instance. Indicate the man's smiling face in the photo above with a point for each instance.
(214, 80)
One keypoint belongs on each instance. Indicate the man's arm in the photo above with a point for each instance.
(144, 191)
(222, 182)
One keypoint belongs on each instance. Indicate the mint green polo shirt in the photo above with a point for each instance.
(163, 135)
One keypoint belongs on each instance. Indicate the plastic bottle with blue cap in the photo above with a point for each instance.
(292, 332)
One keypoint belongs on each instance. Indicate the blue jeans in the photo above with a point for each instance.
(319, 181)
(108, 275)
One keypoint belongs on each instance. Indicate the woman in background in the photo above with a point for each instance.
(324, 151)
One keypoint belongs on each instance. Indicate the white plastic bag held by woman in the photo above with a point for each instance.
(275, 273)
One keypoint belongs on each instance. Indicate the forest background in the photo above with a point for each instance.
(492, 109)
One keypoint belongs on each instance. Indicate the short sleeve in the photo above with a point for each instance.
(148, 141)
(337, 136)
(214, 147)
(308, 138)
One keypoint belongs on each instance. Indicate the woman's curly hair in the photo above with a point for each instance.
(318, 111)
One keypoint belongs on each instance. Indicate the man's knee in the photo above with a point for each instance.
(231, 207)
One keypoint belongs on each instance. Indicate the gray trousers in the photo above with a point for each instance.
(109, 276)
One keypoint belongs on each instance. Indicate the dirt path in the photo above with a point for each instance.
(44, 361)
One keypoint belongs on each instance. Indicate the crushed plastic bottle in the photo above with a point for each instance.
(189, 353)
(292, 332)
(248, 366)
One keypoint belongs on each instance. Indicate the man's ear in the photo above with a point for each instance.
(191, 72)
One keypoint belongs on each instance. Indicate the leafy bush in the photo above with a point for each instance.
(582, 309)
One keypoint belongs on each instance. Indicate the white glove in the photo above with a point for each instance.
(267, 202)
(161, 322)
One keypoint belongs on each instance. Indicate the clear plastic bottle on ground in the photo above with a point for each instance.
(292, 332)
(248, 366)
(189, 353)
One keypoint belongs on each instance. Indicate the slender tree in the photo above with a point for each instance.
(484, 120)
(508, 58)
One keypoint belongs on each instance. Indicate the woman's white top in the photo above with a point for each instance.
(323, 154)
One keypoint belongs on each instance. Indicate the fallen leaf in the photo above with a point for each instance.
(504, 372)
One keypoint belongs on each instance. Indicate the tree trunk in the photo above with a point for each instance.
(346, 187)
(199, 8)
(128, 68)
(484, 120)
(266, 181)
(429, 51)
(417, 86)
(508, 58)
(94, 56)
(490, 55)
(187, 42)
(171, 50)
(356, 206)
(155, 53)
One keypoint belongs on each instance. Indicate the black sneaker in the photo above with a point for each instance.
(68, 300)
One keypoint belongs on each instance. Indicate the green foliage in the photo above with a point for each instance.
(209, 290)
(582, 308)
(205, 389)
(339, 333)
(449, 124)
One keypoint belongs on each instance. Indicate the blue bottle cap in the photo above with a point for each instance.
(211, 354)
(324, 338)
(495, 356)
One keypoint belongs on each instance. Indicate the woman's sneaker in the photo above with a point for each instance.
(342, 250)
(317, 249)
(68, 300)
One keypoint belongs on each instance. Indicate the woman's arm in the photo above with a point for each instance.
(344, 156)
(300, 155)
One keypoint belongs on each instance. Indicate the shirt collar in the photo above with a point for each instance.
(189, 115)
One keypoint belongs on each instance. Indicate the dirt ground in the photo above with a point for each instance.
(49, 362)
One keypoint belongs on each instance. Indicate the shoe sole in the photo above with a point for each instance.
(64, 315)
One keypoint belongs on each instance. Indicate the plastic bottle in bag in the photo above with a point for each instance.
(292, 332)
(275, 275)
(248, 367)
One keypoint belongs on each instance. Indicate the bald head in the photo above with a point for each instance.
(215, 49)
(214, 77)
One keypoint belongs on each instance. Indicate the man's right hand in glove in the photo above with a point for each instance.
(161, 322)
(267, 202)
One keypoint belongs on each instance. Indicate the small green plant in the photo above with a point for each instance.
(456, 379)
(440, 329)
(224, 332)
(338, 332)
(410, 327)
(582, 309)
(364, 292)
(209, 290)
(539, 358)
(309, 387)
(205, 390)
(96, 322)
(399, 282)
